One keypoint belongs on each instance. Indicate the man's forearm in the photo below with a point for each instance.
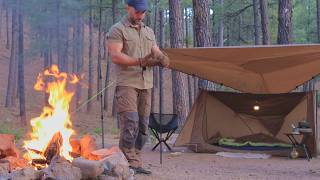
(123, 59)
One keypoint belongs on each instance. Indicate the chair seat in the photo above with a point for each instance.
(169, 123)
(165, 128)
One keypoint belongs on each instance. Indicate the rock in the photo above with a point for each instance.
(7, 146)
(89, 168)
(4, 169)
(61, 170)
(106, 177)
(15, 163)
(25, 174)
(102, 153)
(117, 165)
(88, 144)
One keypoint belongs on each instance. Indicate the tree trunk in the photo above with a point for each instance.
(187, 45)
(239, 29)
(155, 69)
(104, 43)
(256, 19)
(11, 82)
(221, 26)
(1, 10)
(66, 50)
(58, 40)
(176, 37)
(186, 26)
(46, 62)
(115, 11)
(201, 32)
(79, 60)
(161, 74)
(90, 68)
(285, 22)
(21, 64)
(264, 22)
(7, 27)
(99, 69)
(318, 20)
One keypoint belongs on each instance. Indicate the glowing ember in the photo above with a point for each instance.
(55, 118)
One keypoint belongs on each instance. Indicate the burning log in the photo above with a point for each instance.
(53, 148)
(39, 163)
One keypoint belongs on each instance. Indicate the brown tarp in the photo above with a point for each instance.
(258, 69)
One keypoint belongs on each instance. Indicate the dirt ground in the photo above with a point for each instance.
(189, 165)
(211, 166)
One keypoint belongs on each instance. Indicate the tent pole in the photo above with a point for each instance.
(317, 124)
(160, 108)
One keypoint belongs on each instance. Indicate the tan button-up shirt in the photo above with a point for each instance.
(136, 44)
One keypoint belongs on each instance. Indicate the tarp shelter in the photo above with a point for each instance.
(266, 75)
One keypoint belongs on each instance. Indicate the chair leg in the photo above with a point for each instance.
(156, 146)
(167, 145)
(162, 140)
(167, 138)
(157, 137)
(306, 152)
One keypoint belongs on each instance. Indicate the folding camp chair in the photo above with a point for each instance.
(160, 124)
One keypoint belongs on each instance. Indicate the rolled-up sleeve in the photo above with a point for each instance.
(115, 35)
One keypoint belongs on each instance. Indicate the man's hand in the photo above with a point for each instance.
(155, 60)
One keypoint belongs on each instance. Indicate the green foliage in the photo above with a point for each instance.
(115, 130)
(304, 21)
(97, 131)
(6, 128)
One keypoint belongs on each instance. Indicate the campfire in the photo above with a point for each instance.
(51, 131)
(52, 150)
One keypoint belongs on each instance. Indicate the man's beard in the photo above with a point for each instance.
(135, 21)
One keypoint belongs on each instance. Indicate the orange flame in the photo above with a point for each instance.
(55, 117)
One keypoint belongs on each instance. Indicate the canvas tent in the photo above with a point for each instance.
(266, 75)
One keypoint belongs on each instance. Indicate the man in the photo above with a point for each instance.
(133, 49)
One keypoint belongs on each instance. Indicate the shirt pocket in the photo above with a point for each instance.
(149, 41)
(129, 43)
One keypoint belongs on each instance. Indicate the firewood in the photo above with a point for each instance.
(53, 148)
(89, 168)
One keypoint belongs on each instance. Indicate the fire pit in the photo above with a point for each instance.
(50, 150)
